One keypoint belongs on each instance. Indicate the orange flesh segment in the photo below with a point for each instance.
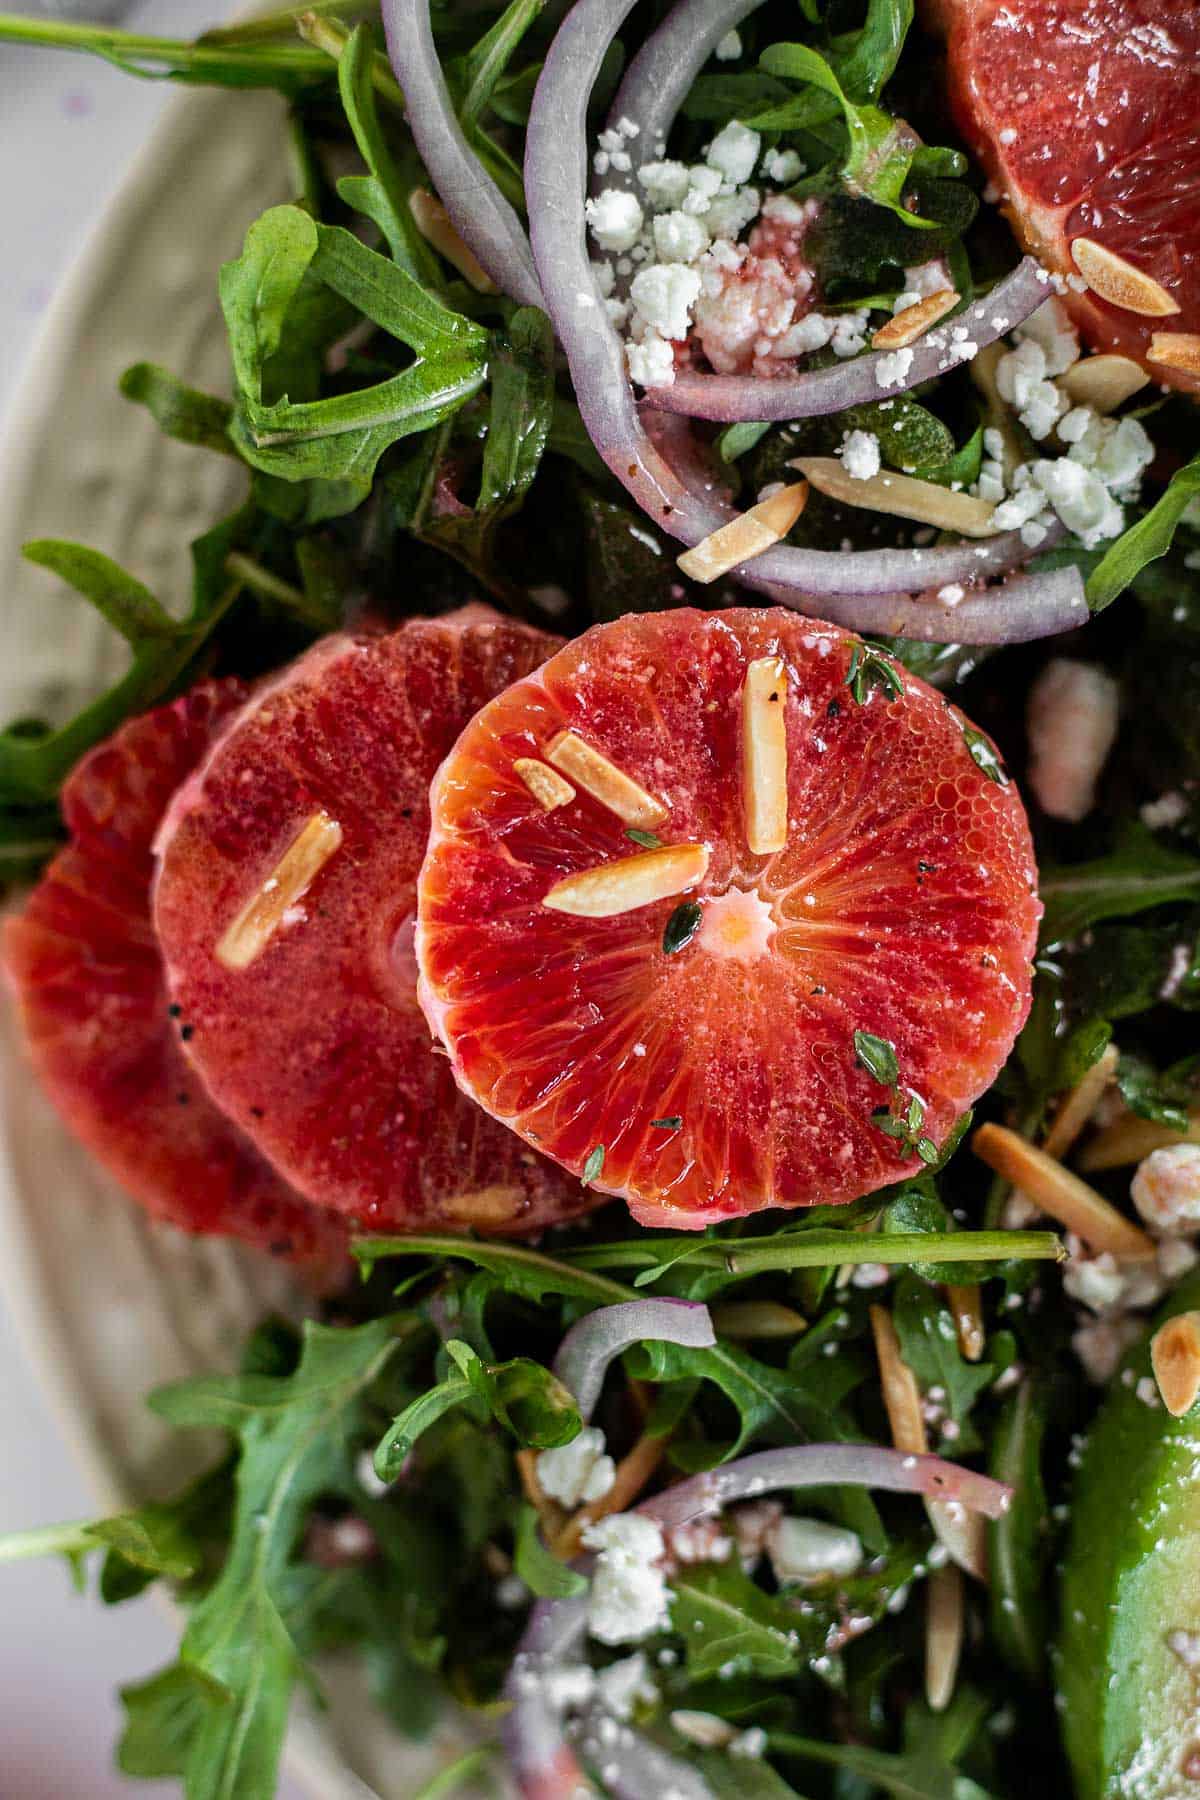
(902, 903)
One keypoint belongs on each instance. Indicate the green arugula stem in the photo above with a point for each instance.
(331, 38)
(285, 21)
(815, 1250)
(47, 1540)
(371, 1250)
(261, 581)
(173, 54)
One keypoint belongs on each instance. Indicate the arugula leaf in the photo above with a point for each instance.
(1019, 1543)
(162, 1719)
(179, 411)
(542, 1573)
(1165, 1098)
(117, 596)
(1150, 537)
(735, 440)
(867, 60)
(382, 194)
(522, 1395)
(342, 436)
(725, 1618)
(526, 1273)
(881, 148)
(290, 68)
(1139, 872)
(297, 1433)
(929, 1344)
(150, 1539)
(877, 1056)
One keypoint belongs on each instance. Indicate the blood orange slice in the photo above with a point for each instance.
(1086, 113)
(841, 854)
(89, 981)
(285, 907)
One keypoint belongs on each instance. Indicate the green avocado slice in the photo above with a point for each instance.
(1129, 1702)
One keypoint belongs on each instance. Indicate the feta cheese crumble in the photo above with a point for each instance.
(615, 219)
(734, 151)
(860, 455)
(578, 1472)
(892, 368)
(730, 47)
(1166, 1188)
(628, 1599)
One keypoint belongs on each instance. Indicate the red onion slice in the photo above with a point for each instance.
(543, 1764)
(481, 215)
(826, 1465)
(590, 1346)
(1021, 609)
(732, 398)
(556, 165)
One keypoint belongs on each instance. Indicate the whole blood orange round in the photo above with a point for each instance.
(92, 995)
(1086, 114)
(725, 911)
(285, 908)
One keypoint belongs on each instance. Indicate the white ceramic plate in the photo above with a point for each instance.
(110, 1304)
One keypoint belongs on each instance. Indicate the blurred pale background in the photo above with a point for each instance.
(69, 127)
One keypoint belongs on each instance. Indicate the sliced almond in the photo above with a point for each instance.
(488, 1206)
(633, 881)
(760, 528)
(1082, 1101)
(1176, 350)
(1061, 1194)
(944, 1619)
(983, 374)
(907, 326)
(705, 1729)
(961, 1532)
(764, 755)
(1175, 1359)
(1130, 1140)
(901, 495)
(545, 784)
(1103, 382)
(1120, 282)
(254, 927)
(436, 227)
(757, 1319)
(901, 1395)
(966, 1308)
(591, 770)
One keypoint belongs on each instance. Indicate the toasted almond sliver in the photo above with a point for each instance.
(760, 528)
(435, 226)
(1120, 282)
(944, 1619)
(545, 784)
(1175, 1359)
(1082, 1101)
(633, 881)
(901, 495)
(1103, 382)
(591, 770)
(963, 1533)
(1176, 350)
(488, 1206)
(1130, 1139)
(757, 1319)
(907, 326)
(966, 1308)
(254, 927)
(705, 1729)
(1061, 1194)
(764, 755)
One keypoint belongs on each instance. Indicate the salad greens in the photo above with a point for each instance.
(409, 439)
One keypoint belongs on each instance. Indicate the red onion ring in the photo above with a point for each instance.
(732, 398)
(826, 1465)
(590, 1346)
(556, 166)
(1021, 609)
(478, 210)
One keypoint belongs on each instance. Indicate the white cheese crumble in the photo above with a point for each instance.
(783, 166)
(614, 219)
(1169, 809)
(651, 362)
(628, 1599)
(734, 151)
(807, 1550)
(730, 47)
(860, 455)
(625, 1684)
(664, 296)
(891, 369)
(751, 1743)
(1166, 1188)
(1071, 720)
(578, 1472)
